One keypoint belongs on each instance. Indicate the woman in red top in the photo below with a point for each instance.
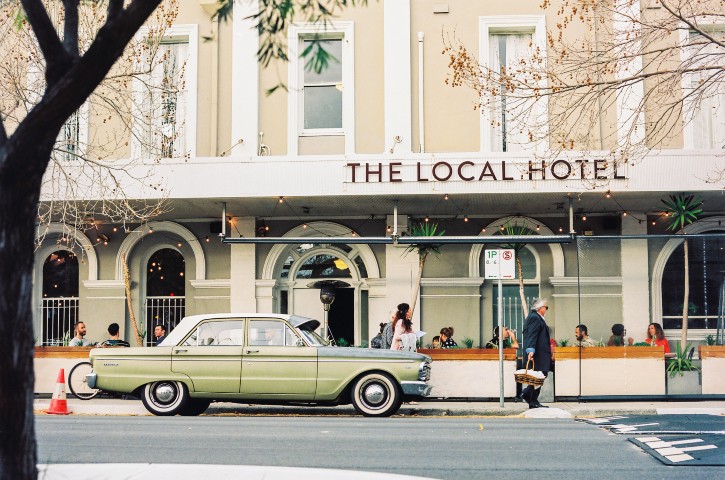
(656, 336)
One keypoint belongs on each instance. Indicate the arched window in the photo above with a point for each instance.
(165, 291)
(707, 284)
(324, 266)
(59, 309)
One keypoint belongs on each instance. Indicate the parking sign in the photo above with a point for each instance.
(500, 263)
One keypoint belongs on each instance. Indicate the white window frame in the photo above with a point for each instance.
(336, 30)
(191, 33)
(83, 127)
(705, 23)
(502, 24)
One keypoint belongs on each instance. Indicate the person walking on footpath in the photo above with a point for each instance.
(537, 347)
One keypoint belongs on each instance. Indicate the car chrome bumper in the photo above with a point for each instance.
(421, 389)
(91, 380)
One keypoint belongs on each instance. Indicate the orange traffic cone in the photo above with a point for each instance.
(58, 405)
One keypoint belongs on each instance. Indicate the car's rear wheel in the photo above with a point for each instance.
(376, 395)
(165, 397)
(194, 407)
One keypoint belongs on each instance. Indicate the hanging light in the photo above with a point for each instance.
(280, 200)
(465, 218)
(445, 196)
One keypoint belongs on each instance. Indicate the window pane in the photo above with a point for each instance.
(323, 107)
(332, 73)
(324, 266)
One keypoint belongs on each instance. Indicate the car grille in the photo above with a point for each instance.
(424, 372)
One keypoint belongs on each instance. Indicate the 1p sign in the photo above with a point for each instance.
(500, 263)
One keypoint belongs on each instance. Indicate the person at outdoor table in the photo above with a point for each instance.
(656, 336)
(617, 339)
(159, 333)
(447, 338)
(436, 342)
(509, 339)
(80, 340)
(582, 337)
(114, 340)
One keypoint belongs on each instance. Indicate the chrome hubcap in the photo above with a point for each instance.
(165, 392)
(374, 394)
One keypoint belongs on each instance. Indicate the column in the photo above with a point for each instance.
(635, 277)
(398, 91)
(242, 268)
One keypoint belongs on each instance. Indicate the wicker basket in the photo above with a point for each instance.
(527, 377)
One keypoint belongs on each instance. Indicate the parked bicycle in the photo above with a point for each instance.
(78, 383)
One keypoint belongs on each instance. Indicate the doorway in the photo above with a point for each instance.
(341, 317)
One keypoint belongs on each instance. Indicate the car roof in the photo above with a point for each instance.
(187, 323)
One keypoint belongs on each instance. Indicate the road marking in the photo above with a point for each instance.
(605, 419)
(670, 444)
(674, 453)
(631, 428)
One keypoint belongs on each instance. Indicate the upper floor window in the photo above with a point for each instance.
(321, 99)
(166, 96)
(504, 42)
(322, 91)
(704, 101)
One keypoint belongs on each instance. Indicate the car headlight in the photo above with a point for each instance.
(424, 372)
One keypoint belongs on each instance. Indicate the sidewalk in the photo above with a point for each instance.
(110, 406)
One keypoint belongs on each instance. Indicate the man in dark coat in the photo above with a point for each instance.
(537, 346)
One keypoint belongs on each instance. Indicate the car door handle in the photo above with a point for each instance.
(180, 350)
(252, 351)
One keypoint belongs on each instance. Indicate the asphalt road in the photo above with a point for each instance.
(443, 448)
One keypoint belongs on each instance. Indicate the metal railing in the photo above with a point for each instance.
(167, 311)
(55, 323)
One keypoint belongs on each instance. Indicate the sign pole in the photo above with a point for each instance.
(500, 340)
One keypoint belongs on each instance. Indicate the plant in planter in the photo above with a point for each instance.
(468, 342)
(641, 344)
(681, 362)
(564, 343)
(710, 340)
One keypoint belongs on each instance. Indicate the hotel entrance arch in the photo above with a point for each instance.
(294, 267)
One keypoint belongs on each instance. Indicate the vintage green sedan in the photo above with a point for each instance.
(258, 358)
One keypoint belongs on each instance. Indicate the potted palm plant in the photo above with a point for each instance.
(683, 377)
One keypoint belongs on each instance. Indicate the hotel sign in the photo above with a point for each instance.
(481, 171)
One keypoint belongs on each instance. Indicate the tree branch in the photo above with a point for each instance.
(70, 27)
(114, 8)
(47, 36)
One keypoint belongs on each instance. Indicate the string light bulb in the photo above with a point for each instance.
(624, 214)
(584, 218)
(608, 194)
(465, 218)
(427, 219)
(445, 196)
(206, 239)
(304, 226)
(561, 229)
(390, 229)
(280, 200)
(538, 228)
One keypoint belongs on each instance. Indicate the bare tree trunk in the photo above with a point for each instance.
(686, 301)
(522, 295)
(421, 263)
(131, 314)
(18, 200)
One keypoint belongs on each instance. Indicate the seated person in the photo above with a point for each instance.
(656, 336)
(447, 338)
(617, 339)
(114, 340)
(79, 339)
(509, 339)
(436, 342)
(582, 337)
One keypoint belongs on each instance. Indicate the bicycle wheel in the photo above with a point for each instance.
(78, 384)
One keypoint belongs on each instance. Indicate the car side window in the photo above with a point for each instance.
(271, 332)
(217, 333)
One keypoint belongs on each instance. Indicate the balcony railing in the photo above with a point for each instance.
(54, 326)
(166, 311)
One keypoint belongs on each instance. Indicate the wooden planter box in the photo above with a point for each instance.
(48, 362)
(470, 372)
(609, 371)
(713, 366)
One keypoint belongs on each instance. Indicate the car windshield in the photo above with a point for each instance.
(311, 336)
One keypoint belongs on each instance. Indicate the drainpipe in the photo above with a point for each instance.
(421, 116)
(214, 121)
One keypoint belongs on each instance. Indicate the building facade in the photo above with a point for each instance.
(366, 148)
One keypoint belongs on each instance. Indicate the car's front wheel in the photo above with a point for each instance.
(165, 397)
(376, 395)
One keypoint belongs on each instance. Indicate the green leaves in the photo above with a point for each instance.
(681, 362)
(515, 229)
(425, 229)
(681, 210)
